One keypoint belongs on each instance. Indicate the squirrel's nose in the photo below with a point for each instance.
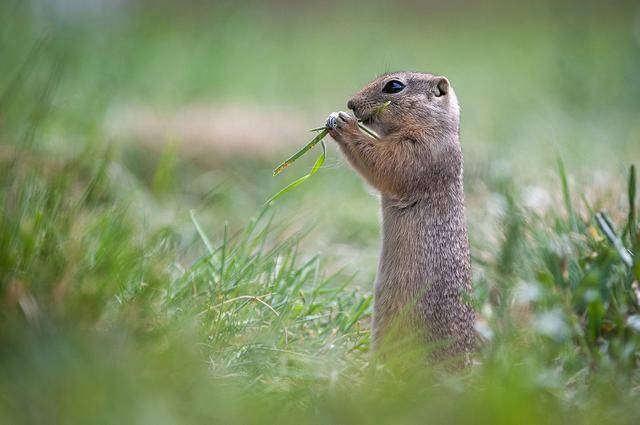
(351, 105)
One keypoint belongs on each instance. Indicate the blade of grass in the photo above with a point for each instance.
(225, 241)
(632, 226)
(368, 131)
(362, 127)
(359, 311)
(605, 226)
(567, 195)
(380, 108)
(203, 236)
(299, 181)
(298, 154)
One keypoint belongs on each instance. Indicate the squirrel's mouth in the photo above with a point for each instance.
(368, 119)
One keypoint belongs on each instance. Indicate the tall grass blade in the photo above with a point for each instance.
(301, 180)
(280, 168)
(359, 312)
(632, 224)
(566, 194)
(607, 229)
(223, 254)
(368, 131)
(203, 236)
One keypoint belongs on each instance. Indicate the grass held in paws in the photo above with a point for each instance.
(323, 131)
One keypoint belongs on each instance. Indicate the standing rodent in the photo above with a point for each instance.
(416, 165)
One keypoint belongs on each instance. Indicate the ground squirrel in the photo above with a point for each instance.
(416, 165)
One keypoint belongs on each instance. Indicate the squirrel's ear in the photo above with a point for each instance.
(440, 86)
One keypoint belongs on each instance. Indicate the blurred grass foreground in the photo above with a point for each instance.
(142, 281)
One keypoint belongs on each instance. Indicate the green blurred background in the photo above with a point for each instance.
(118, 119)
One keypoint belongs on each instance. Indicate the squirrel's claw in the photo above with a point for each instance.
(332, 121)
(338, 120)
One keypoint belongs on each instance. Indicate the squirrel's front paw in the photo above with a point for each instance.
(337, 121)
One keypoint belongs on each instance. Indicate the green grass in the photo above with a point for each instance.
(140, 286)
(124, 323)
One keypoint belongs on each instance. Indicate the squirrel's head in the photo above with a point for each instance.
(416, 99)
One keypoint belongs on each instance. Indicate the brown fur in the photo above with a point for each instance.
(416, 166)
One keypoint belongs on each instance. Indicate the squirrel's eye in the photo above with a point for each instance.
(393, 86)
